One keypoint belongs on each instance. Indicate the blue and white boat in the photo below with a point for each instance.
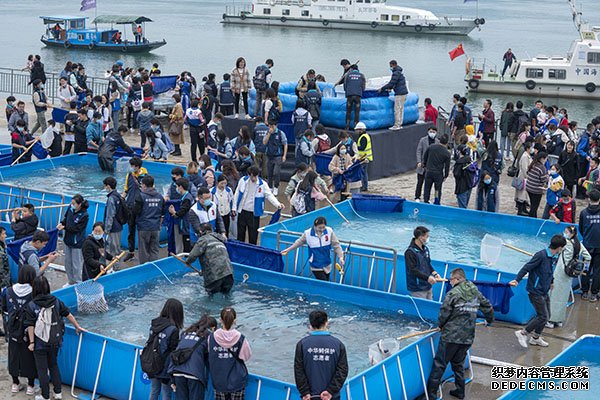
(72, 32)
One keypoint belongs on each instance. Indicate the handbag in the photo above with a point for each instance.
(518, 183)
(174, 129)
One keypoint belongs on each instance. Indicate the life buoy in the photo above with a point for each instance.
(473, 83)
(67, 44)
(530, 84)
(477, 21)
(91, 46)
(243, 16)
(374, 24)
(590, 87)
(402, 23)
(325, 22)
(283, 19)
(431, 27)
(481, 21)
(418, 28)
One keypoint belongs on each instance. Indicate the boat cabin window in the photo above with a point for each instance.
(593, 58)
(76, 24)
(395, 18)
(285, 12)
(557, 73)
(266, 11)
(305, 13)
(405, 17)
(536, 73)
(385, 17)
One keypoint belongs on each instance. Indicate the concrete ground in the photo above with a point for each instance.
(496, 342)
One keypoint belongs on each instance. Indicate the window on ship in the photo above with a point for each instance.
(305, 13)
(395, 18)
(557, 73)
(536, 73)
(285, 12)
(593, 58)
(266, 11)
(385, 17)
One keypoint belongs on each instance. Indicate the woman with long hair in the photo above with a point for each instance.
(240, 85)
(74, 223)
(536, 182)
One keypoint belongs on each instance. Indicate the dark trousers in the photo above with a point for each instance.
(226, 110)
(131, 232)
(248, 222)
(68, 147)
(452, 353)
(227, 223)
(188, 389)
(419, 189)
(541, 305)
(593, 274)
(197, 143)
(45, 360)
(365, 178)
(236, 105)
(222, 285)
(436, 180)
(534, 203)
(274, 171)
(352, 104)
(321, 275)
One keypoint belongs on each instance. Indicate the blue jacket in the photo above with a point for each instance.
(486, 197)
(300, 119)
(260, 131)
(227, 373)
(319, 248)
(583, 146)
(312, 98)
(541, 272)
(197, 364)
(93, 133)
(75, 224)
(397, 83)
(355, 83)
(276, 143)
(113, 202)
(589, 226)
(149, 208)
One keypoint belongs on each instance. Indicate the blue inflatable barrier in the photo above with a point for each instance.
(377, 109)
(14, 248)
(162, 84)
(499, 294)
(249, 254)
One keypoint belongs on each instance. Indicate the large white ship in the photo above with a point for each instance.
(575, 76)
(371, 15)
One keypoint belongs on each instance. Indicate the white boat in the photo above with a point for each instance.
(575, 76)
(371, 15)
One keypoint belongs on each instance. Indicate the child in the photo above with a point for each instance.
(29, 253)
(10, 107)
(166, 327)
(593, 175)
(556, 184)
(226, 96)
(565, 209)
(189, 373)
(302, 121)
(228, 350)
(486, 193)
(51, 139)
(223, 197)
(20, 359)
(522, 137)
(304, 148)
(196, 123)
(47, 311)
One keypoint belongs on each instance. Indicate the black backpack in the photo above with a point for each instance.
(181, 356)
(274, 113)
(523, 119)
(152, 362)
(260, 78)
(15, 326)
(122, 213)
(574, 267)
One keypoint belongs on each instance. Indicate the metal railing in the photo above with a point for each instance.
(13, 197)
(367, 265)
(16, 82)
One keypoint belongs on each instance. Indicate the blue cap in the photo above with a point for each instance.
(120, 63)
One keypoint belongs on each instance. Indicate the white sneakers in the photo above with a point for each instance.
(522, 337)
(16, 388)
(395, 128)
(275, 191)
(538, 342)
(31, 390)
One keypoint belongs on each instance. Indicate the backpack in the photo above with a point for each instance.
(181, 356)
(49, 326)
(574, 267)
(323, 144)
(151, 361)
(523, 119)
(15, 325)
(473, 173)
(274, 113)
(260, 78)
(298, 201)
(122, 213)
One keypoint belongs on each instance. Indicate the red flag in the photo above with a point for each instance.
(457, 52)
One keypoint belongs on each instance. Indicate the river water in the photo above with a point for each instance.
(198, 42)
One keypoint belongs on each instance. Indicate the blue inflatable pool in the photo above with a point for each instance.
(377, 111)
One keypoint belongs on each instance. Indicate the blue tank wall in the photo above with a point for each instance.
(398, 377)
(377, 112)
(357, 273)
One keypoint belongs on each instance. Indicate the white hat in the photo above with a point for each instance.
(360, 127)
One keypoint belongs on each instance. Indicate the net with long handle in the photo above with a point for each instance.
(90, 294)
(491, 248)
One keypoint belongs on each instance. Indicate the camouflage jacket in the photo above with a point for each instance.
(214, 259)
(459, 312)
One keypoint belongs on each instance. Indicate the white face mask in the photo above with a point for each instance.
(432, 134)
(342, 151)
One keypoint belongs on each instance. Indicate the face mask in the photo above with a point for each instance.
(73, 208)
(348, 142)
(343, 151)
(201, 164)
(20, 129)
(566, 236)
(425, 241)
(154, 128)
(247, 158)
(487, 181)
(432, 134)
(531, 151)
(391, 69)
(208, 203)
(97, 237)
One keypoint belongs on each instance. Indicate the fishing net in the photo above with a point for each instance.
(90, 298)
(491, 247)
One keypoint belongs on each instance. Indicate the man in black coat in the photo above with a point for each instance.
(436, 162)
(24, 222)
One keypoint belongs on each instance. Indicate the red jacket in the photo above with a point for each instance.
(489, 121)
(431, 114)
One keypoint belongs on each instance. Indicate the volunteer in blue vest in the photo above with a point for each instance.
(149, 208)
(249, 203)
(206, 211)
(589, 226)
(420, 275)
(354, 85)
(182, 219)
(320, 240)
(301, 119)
(277, 148)
(196, 123)
(540, 279)
(225, 96)
(260, 158)
(131, 191)
(365, 153)
(262, 81)
(320, 362)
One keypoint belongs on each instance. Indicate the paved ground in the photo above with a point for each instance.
(496, 342)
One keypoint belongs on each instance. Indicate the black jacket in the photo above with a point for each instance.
(24, 227)
(437, 160)
(462, 177)
(92, 258)
(570, 166)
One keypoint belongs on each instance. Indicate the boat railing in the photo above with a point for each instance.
(17, 82)
(238, 9)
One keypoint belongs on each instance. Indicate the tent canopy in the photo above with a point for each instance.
(120, 19)
(60, 19)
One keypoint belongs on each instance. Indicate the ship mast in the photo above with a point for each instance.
(577, 15)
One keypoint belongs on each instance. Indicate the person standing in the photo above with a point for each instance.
(316, 376)
(182, 216)
(556, 185)
(249, 203)
(313, 100)
(320, 240)
(437, 166)
(240, 85)
(19, 114)
(345, 64)
(277, 148)
(206, 211)
(354, 86)
(569, 165)
(488, 120)
(130, 192)
(420, 275)
(589, 227)
(176, 125)
(149, 208)
(262, 81)
(260, 132)
(463, 177)
(196, 123)
(431, 114)
(540, 271)
(456, 321)
(397, 83)
(113, 217)
(486, 193)
(40, 103)
(508, 59)
(422, 147)
(74, 223)
(524, 160)
(80, 130)
(365, 153)
(535, 184)
(65, 93)
(225, 96)
(506, 129)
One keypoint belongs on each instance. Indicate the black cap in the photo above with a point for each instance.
(566, 193)
(344, 62)
(36, 82)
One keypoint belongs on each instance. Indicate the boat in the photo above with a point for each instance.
(72, 32)
(361, 15)
(575, 76)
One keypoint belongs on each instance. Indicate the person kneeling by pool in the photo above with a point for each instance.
(420, 275)
(216, 266)
(320, 239)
